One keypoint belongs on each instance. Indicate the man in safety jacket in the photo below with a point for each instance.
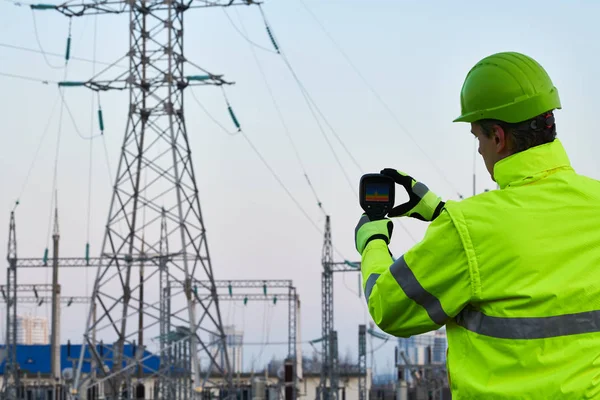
(514, 273)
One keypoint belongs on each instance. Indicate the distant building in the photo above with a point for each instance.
(34, 364)
(440, 345)
(415, 348)
(234, 341)
(32, 330)
(428, 348)
(384, 379)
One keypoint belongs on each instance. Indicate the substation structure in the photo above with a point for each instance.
(269, 291)
(176, 349)
(155, 229)
(329, 382)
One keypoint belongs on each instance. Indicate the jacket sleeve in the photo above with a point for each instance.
(423, 289)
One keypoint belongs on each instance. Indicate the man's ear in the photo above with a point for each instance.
(500, 139)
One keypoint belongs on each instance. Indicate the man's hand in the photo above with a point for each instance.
(423, 204)
(367, 230)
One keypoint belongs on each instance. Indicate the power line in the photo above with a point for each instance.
(278, 179)
(273, 173)
(278, 110)
(312, 106)
(19, 3)
(91, 137)
(379, 98)
(37, 150)
(47, 53)
(244, 34)
(91, 156)
(213, 119)
(310, 100)
(37, 38)
(27, 78)
(54, 193)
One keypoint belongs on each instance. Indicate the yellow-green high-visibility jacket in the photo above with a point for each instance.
(514, 274)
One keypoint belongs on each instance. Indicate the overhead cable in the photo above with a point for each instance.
(273, 173)
(41, 48)
(310, 101)
(380, 100)
(22, 48)
(279, 113)
(27, 78)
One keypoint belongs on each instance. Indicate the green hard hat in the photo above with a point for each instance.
(509, 87)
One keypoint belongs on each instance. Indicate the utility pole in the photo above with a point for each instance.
(11, 381)
(155, 173)
(55, 335)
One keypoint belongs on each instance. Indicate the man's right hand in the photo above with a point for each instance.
(422, 203)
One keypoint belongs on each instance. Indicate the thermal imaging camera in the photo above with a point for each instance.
(376, 195)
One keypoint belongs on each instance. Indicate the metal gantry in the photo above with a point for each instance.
(11, 383)
(10, 291)
(271, 290)
(328, 385)
(39, 300)
(284, 290)
(155, 185)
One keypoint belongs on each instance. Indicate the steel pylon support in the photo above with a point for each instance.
(55, 326)
(11, 381)
(328, 385)
(155, 185)
(293, 306)
(362, 362)
(329, 373)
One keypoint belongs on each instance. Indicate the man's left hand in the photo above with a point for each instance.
(367, 230)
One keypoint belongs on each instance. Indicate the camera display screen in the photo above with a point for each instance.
(377, 192)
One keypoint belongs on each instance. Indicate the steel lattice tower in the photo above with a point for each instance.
(362, 362)
(11, 368)
(328, 383)
(155, 200)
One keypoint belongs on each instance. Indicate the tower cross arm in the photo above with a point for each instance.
(121, 6)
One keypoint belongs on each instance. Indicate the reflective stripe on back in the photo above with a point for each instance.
(529, 328)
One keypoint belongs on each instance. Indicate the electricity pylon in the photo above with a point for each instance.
(155, 200)
(329, 383)
(10, 383)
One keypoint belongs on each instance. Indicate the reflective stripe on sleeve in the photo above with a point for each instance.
(413, 289)
(369, 286)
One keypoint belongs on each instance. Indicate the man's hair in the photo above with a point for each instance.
(526, 134)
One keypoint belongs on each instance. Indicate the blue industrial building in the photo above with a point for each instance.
(35, 359)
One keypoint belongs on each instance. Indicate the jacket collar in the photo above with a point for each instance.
(531, 165)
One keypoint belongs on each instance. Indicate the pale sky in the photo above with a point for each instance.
(415, 56)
